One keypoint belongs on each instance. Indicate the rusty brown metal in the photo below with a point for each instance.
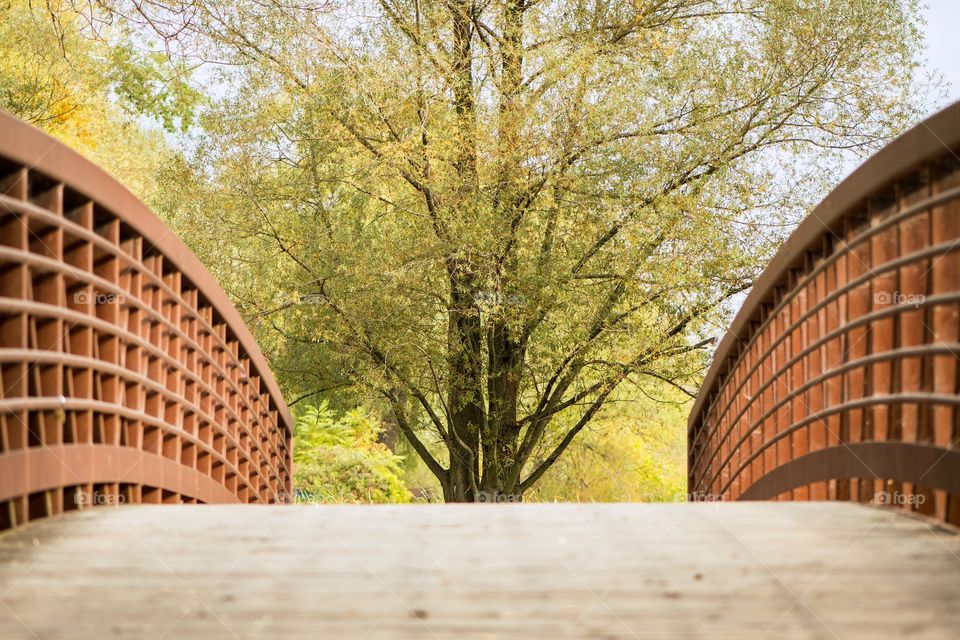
(126, 375)
(838, 379)
(919, 464)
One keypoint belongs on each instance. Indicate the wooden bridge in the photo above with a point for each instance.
(734, 570)
(127, 377)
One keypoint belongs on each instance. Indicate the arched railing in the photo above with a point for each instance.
(838, 379)
(126, 375)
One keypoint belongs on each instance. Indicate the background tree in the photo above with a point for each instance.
(635, 450)
(491, 214)
(107, 100)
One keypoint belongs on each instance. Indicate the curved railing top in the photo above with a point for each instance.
(931, 138)
(33, 148)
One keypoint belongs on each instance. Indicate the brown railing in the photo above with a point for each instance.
(126, 375)
(839, 377)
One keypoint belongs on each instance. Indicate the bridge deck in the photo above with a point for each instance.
(744, 570)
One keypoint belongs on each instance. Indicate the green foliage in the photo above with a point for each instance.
(51, 71)
(93, 95)
(148, 83)
(337, 458)
(635, 451)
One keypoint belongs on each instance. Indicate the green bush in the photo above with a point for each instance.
(337, 458)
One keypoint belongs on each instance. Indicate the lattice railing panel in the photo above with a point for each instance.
(126, 375)
(839, 379)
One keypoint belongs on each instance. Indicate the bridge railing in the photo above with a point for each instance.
(839, 377)
(126, 375)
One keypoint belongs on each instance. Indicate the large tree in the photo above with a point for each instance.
(492, 213)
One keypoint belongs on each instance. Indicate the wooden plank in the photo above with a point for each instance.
(728, 570)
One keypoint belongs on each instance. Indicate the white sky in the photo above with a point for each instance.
(942, 54)
(943, 42)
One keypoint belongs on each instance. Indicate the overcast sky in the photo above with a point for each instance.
(943, 42)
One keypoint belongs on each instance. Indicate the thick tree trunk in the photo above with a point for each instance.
(465, 384)
(458, 487)
(482, 404)
(503, 387)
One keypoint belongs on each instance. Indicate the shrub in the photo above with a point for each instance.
(338, 458)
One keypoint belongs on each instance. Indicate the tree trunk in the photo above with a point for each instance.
(465, 383)
(458, 487)
(503, 387)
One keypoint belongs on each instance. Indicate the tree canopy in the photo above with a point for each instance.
(491, 215)
(94, 94)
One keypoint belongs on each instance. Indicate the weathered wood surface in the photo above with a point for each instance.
(744, 570)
